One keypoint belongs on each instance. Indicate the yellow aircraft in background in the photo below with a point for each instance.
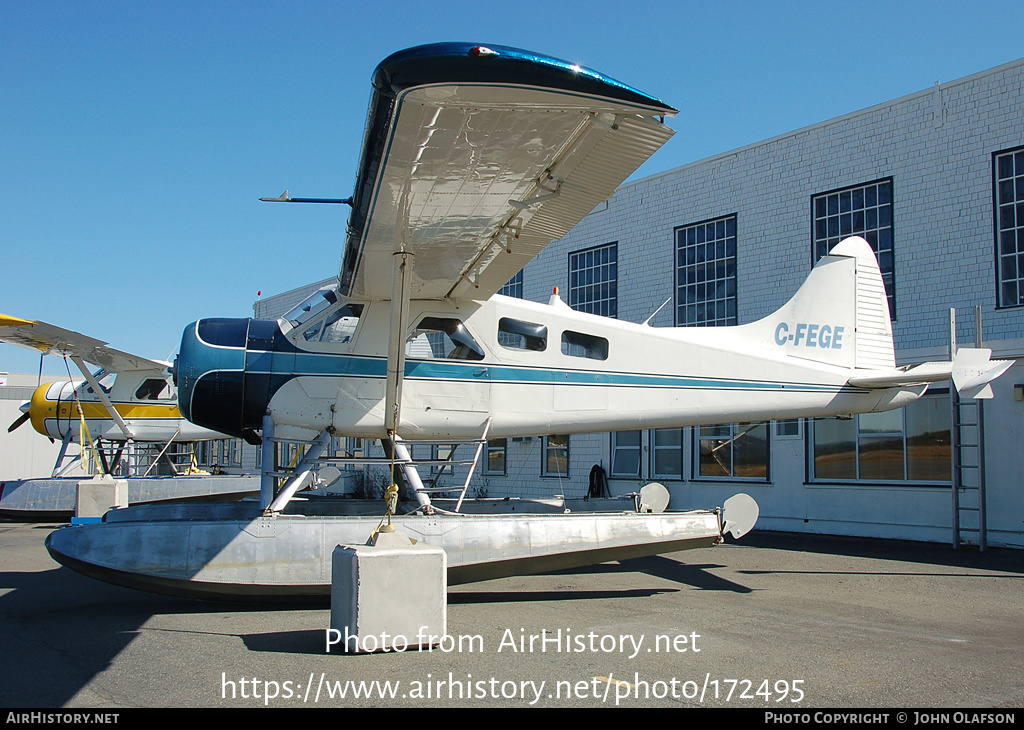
(127, 399)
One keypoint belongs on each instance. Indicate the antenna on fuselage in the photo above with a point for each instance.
(647, 322)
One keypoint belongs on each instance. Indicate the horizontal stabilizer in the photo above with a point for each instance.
(971, 371)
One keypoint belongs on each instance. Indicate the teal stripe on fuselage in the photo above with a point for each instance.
(301, 364)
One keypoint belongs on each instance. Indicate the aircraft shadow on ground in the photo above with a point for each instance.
(698, 576)
(925, 553)
(59, 630)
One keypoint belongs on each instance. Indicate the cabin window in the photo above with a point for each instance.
(911, 444)
(556, 456)
(441, 337)
(706, 273)
(733, 450)
(313, 332)
(105, 380)
(866, 211)
(518, 335)
(340, 325)
(151, 389)
(577, 344)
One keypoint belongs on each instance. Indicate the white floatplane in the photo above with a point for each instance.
(474, 160)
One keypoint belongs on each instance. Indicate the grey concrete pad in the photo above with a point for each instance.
(844, 622)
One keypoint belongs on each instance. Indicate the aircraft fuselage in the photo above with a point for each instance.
(532, 369)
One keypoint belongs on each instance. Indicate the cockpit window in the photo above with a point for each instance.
(441, 337)
(105, 380)
(151, 389)
(312, 306)
(338, 326)
(311, 333)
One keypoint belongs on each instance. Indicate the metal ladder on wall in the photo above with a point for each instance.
(969, 518)
(968, 446)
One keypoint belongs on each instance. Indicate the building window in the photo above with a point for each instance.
(1009, 173)
(497, 453)
(236, 452)
(667, 453)
(706, 273)
(593, 280)
(911, 444)
(626, 446)
(556, 456)
(443, 453)
(865, 211)
(787, 428)
(355, 447)
(733, 450)
(513, 287)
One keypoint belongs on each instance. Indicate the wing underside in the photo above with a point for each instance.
(474, 177)
(53, 340)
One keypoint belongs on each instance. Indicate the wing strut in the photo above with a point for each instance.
(104, 399)
(59, 467)
(402, 264)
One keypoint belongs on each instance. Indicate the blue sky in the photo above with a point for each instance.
(136, 137)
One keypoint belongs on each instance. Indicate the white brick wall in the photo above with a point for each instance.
(937, 148)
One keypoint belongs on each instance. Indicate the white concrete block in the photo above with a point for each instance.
(101, 493)
(391, 596)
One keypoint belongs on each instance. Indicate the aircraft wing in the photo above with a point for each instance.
(51, 339)
(476, 158)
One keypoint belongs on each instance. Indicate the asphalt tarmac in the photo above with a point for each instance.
(772, 622)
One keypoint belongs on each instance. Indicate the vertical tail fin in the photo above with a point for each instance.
(839, 316)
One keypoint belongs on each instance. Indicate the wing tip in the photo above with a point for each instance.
(9, 321)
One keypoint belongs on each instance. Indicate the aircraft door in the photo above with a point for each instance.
(446, 377)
